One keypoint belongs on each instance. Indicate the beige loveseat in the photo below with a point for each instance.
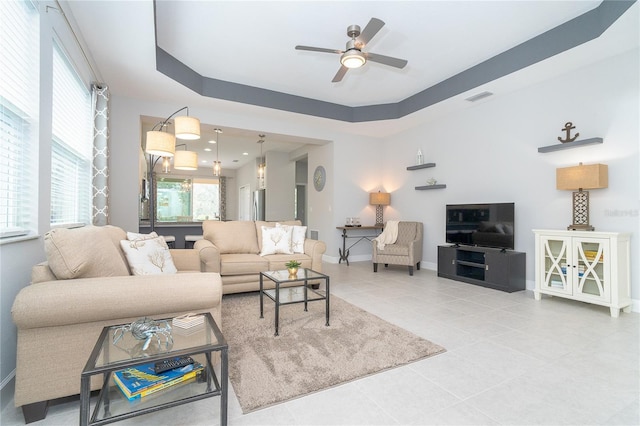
(233, 250)
(59, 320)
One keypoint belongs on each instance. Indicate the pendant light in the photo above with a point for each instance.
(217, 165)
(261, 166)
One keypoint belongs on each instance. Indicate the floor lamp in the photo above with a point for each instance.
(161, 144)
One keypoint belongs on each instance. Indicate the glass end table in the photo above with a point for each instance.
(107, 357)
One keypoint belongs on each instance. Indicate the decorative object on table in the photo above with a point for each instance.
(432, 181)
(292, 267)
(568, 127)
(319, 178)
(379, 199)
(419, 158)
(160, 144)
(581, 177)
(188, 320)
(146, 329)
(353, 221)
(142, 380)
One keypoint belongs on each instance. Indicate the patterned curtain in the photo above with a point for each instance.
(223, 198)
(100, 169)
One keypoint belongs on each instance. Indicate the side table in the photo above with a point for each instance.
(344, 253)
(108, 357)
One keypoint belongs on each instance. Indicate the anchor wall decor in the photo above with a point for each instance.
(567, 128)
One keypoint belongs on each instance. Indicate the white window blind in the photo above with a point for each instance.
(72, 145)
(19, 91)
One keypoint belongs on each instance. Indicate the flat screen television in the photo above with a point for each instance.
(485, 225)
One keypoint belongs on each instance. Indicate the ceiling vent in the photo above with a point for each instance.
(479, 96)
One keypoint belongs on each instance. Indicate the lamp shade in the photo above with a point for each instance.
(160, 143)
(591, 176)
(187, 127)
(379, 198)
(185, 160)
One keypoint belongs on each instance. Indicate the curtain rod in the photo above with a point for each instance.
(84, 55)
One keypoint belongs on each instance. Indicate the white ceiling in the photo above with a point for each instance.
(252, 43)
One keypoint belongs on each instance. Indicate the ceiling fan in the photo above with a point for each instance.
(353, 56)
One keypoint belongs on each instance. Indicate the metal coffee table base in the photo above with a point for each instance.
(295, 293)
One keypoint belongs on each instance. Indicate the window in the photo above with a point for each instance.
(19, 92)
(187, 200)
(72, 145)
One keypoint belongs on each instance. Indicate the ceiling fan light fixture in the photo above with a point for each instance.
(352, 59)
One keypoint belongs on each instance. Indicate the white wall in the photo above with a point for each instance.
(488, 153)
(485, 153)
(281, 185)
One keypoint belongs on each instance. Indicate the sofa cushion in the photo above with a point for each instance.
(148, 256)
(84, 252)
(276, 240)
(232, 237)
(395, 250)
(277, 261)
(242, 264)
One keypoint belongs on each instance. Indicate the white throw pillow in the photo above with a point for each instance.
(131, 236)
(276, 240)
(149, 256)
(298, 235)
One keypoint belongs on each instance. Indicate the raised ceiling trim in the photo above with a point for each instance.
(577, 31)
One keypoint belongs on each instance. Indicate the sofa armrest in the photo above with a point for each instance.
(209, 256)
(86, 300)
(186, 259)
(315, 249)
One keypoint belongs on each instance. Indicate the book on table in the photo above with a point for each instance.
(139, 381)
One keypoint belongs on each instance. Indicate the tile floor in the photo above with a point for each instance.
(510, 360)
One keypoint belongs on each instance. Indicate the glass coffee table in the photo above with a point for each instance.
(107, 357)
(291, 289)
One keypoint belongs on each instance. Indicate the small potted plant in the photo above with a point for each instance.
(292, 266)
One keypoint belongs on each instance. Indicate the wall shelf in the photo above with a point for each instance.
(421, 188)
(569, 145)
(421, 166)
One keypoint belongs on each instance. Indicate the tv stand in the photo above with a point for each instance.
(499, 269)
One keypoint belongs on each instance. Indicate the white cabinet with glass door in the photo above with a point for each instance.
(591, 267)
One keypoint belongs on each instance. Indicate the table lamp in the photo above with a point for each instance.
(581, 177)
(379, 199)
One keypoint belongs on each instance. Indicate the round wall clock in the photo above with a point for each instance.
(319, 178)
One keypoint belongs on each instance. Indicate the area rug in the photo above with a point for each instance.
(307, 356)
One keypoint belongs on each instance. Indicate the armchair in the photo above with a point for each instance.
(407, 250)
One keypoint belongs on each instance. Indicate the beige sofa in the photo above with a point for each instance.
(59, 320)
(233, 249)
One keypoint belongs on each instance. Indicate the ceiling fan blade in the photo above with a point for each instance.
(341, 72)
(319, 49)
(386, 60)
(369, 32)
